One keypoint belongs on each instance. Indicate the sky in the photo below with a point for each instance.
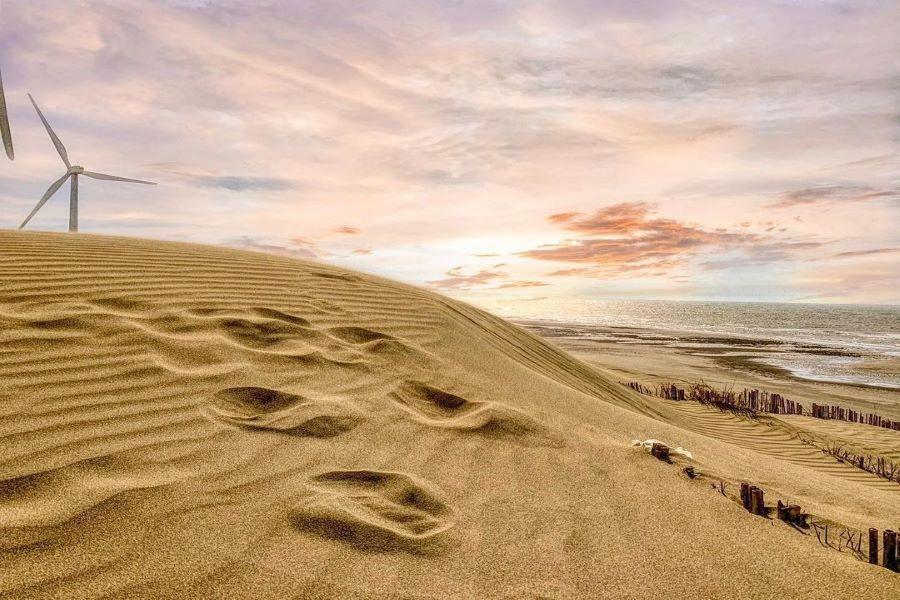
(501, 152)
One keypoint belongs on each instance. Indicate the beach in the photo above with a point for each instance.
(723, 360)
(183, 420)
(654, 357)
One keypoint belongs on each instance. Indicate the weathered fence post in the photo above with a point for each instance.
(890, 550)
(745, 495)
(660, 451)
(757, 503)
(873, 546)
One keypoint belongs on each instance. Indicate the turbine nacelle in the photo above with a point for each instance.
(75, 170)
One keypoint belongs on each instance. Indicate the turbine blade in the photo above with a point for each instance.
(56, 141)
(5, 133)
(114, 178)
(50, 191)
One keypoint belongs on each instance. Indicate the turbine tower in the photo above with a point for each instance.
(72, 171)
(4, 125)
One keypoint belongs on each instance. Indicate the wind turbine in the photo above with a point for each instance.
(72, 171)
(4, 125)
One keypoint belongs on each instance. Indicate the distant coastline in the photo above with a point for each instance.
(765, 356)
(846, 344)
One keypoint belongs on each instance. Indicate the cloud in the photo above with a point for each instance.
(362, 251)
(458, 281)
(347, 230)
(233, 183)
(833, 194)
(762, 254)
(437, 125)
(522, 284)
(255, 244)
(237, 183)
(627, 238)
(872, 252)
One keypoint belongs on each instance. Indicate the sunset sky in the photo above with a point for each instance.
(493, 151)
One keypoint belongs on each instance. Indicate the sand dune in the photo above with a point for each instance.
(771, 436)
(190, 421)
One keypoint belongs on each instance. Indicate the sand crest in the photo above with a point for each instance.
(190, 421)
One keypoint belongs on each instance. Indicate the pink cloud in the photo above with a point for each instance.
(626, 238)
(457, 280)
(256, 245)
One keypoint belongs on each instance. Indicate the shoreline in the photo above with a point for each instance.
(734, 352)
(656, 356)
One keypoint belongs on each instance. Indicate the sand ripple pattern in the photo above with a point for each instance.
(189, 421)
(374, 510)
(436, 408)
(264, 408)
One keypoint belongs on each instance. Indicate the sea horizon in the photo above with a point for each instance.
(853, 344)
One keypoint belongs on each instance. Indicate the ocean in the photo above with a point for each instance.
(856, 344)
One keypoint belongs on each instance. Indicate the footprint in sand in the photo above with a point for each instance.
(375, 343)
(374, 510)
(264, 408)
(437, 408)
(266, 313)
(336, 276)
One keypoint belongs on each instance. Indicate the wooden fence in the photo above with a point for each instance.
(759, 401)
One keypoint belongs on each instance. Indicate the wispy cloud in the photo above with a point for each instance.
(833, 193)
(237, 183)
(457, 280)
(234, 183)
(625, 238)
(628, 238)
(522, 284)
(763, 254)
(871, 252)
(260, 245)
(447, 130)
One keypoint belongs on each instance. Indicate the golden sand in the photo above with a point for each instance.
(189, 421)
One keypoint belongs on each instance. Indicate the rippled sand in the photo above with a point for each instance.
(189, 421)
